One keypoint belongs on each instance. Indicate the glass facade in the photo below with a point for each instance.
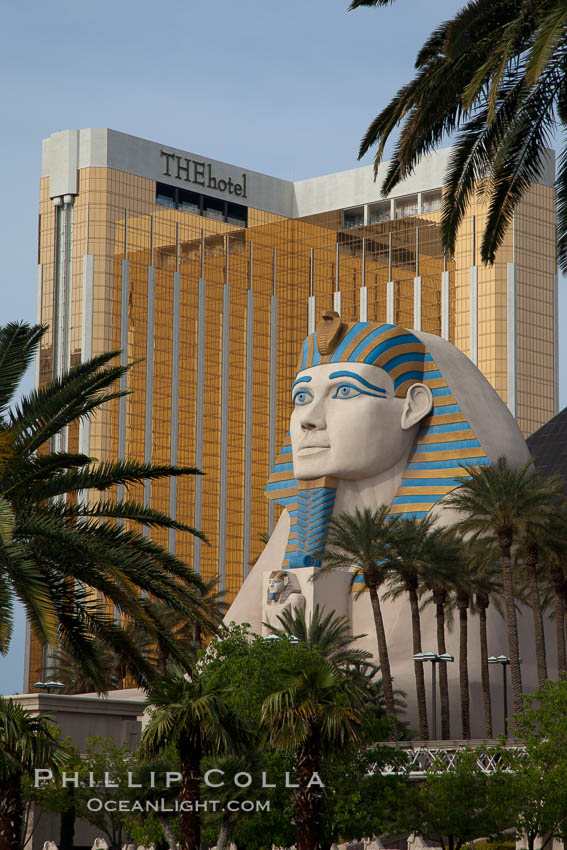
(211, 299)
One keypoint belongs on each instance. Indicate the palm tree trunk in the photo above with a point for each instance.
(167, 831)
(539, 634)
(383, 654)
(463, 603)
(162, 660)
(67, 828)
(560, 636)
(11, 815)
(228, 823)
(558, 580)
(308, 818)
(189, 795)
(440, 599)
(418, 665)
(482, 602)
(505, 543)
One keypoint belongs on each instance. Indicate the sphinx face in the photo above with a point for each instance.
(275, 586)
(347, 423)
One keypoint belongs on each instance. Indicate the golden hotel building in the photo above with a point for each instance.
(210, 275)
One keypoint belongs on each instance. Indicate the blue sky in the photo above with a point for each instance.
(282, 88)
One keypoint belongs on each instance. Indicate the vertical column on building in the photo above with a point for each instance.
(445, 282)
(149, 407)
(390, 311)
(199, 406)
(124, 300)
(122, 402)
(62, 296)
(174, 418)
(311, 308)
(38, 319)
(248, 411)
(86, 345)
(62, 312)
(337, 293)
(473, 300)
(417, 286)
(224, 424)
(511, 328)
(363, 288)
(273, 385)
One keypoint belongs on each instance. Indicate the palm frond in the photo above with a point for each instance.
(126, 509)
(358, 3)
(18, 345)
(71, 397)
(101, 476)
(548, 36)
(561, 185)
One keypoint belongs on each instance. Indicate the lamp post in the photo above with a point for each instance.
(49, 686)
(504, 661)
(435, 659)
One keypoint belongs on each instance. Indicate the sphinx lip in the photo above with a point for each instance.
(311, 450)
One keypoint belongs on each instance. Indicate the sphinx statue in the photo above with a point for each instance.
(379, 415)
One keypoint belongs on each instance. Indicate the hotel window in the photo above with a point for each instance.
(353, 217)
(236, 214)
(431, 201)
(198, 204)
(379, 212)
(406, 206)
(214, 208)
(165, 195)
(189, 201)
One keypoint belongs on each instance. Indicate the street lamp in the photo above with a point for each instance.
(49, 686)
(504, 661)
(435, 659)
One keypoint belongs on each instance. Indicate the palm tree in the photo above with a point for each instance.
(496, 502)
(58, 548)
(543, 550)
(316, 710)
(175, 642)
(190, 713)
(26, 742)
(494, 75)
(360, 542)
(462, 601)
(530, 549)
(329, 634)
(559, 582)
(487, 586)
(440, 598)
(418, 553)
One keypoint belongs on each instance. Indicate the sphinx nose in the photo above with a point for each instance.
(313, 418)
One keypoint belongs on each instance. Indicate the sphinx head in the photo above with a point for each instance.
(281, 584)
(358, 399)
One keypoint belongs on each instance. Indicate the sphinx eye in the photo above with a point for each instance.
(346, 391)
(302, 397)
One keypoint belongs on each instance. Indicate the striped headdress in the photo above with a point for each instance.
(444, 442)
(291, 586)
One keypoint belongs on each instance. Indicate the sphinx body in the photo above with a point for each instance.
(380, 415)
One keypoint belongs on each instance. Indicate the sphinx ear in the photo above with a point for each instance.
(418, 403)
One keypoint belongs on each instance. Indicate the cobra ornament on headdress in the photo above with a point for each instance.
(444, 443)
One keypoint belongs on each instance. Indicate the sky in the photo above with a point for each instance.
(287, 89)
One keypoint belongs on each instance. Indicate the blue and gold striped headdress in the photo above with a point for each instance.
(444, 443)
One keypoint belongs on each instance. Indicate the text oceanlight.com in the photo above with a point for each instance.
(95, 804)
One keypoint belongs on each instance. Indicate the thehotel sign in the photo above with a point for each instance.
(200, 173)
